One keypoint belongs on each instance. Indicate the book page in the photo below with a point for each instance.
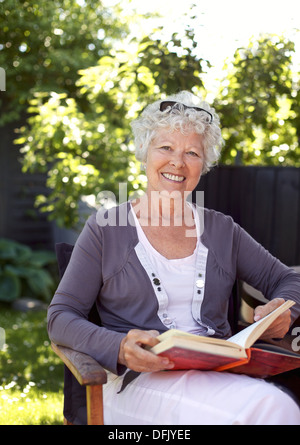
(241, 337)
(249, 335)
(171, 333)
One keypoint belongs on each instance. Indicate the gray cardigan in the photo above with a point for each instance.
(105, 268)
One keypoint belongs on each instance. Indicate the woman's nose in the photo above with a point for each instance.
(177, 160)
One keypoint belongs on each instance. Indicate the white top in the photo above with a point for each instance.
(177, 281)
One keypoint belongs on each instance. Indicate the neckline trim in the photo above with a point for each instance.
(141, 233)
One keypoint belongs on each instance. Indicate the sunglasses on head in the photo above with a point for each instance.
(177, 106)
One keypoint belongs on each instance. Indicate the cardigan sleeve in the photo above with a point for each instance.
(264, 272)
(78, 289)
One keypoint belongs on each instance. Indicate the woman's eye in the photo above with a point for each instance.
(192, 153)
(165, 147)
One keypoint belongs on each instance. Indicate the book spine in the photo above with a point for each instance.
(243, 361)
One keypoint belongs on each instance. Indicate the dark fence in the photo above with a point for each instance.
(19, 220)
(265, 201)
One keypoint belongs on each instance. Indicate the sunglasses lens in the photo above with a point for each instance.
(166, 104)
(175, 105)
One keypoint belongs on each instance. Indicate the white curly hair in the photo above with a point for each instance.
(184, 119)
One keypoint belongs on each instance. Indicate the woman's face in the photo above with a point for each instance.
(174, 162)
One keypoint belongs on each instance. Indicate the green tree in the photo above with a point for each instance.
(44, 44)
(258, 104)
(85, 153)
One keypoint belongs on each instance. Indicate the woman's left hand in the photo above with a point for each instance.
(280, 326)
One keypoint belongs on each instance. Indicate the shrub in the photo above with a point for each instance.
(25, 272)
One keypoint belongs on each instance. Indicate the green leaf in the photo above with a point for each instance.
(41, 258)
(41, 283)
(12, 250)
(19, 270)
(10, 287)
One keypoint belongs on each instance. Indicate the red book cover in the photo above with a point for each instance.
(189, 359)
(265, 363)
(259, 363)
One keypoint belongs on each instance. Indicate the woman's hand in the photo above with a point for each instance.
(280, 326)
(133, 354)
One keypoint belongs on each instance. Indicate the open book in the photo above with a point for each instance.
(236, 354)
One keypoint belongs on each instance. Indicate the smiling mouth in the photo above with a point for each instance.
(174, 178)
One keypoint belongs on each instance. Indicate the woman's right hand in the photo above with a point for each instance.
(134, 356)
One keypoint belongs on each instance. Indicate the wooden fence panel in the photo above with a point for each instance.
(286, 224)
(265, 201)
(19, 220)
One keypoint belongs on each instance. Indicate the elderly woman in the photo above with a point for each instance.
(141, 262)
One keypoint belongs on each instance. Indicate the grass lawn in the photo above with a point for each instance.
(31, 379)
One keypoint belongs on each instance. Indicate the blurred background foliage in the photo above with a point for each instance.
(258, 104)
(77, 75)
(44, 44)
(24, 272)
(31, 384)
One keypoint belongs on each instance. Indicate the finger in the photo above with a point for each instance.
(263, 310)
(146, 338)
(274, 333)
(279, 327)
(139, 359)
(152, 340)
(136, 357)
(152, 362)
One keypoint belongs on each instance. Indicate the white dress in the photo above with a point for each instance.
(191, 397)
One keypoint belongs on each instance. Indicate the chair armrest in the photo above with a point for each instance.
(86, 369)
(252, 296)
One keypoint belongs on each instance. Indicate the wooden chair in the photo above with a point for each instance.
(90, 375)
(84, 377)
